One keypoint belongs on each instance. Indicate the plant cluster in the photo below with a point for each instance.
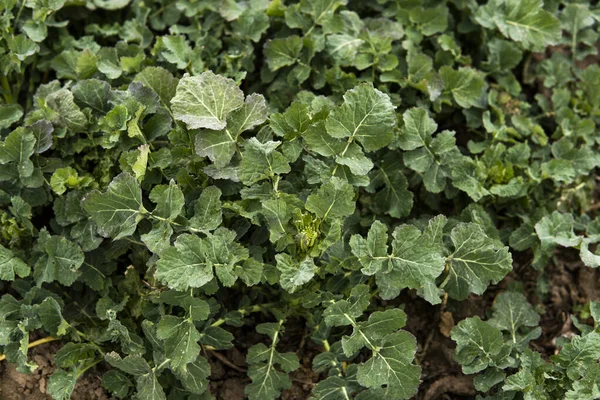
(173, 170)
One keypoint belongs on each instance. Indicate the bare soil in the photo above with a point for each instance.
(17, 386)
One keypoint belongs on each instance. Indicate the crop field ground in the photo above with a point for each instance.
(299, 199)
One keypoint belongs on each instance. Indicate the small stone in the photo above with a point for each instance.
(40, 360)
(446, 323)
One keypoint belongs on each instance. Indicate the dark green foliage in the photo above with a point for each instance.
(173, 170)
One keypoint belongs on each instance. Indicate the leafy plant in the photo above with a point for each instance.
(173, 172)
(501, 344)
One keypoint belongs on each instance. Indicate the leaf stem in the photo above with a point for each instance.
(244, 311)
(19, 14)
(79, 373)
(168, 360)
(34, 344)
(6, 87)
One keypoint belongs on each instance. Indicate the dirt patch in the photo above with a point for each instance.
(17, 386)
(450, 385)
(571, 286)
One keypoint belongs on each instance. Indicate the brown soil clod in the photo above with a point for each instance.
(456, 385)
(446, 323)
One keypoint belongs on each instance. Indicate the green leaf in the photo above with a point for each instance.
(68, 177)
(12, 266)
(66, 114)
(503, 55)
(175, 49)
(71, 354)
(491, 377)
(116, 383)
(354, 158)
(283, 52)
(293, 122)
(417, 130)
(419, 66)
(261, 161)
(432, 157)
(9, 114)
(205, 101)
(391, 367)
(133, 364)
(169, 201)
(180, 340)
(586, 387)
(556, 229)
(207, 210)
(267, 380)
(277, 214)
(194, 375)
(148, 388)
(511, 312)
(530, 379)
(346, 153)
(18, 146)
(22, 47)
(390, 186)
(588, 257)
(92, 93)
(217, 337)
(60, 262)
(332, 388)
(108, 63)
(344, 312)
(575, 18)
(343, 48)
(293, 273)
(476, 261)
(367, 116)
(577, 355)
(465, 85)
(335, 199)
(366, 334)
(251, 272)
(372, 252)
(49, 312)
(184, 265)
(252, 25)
(479, 345)
(190, 262)
(111, 4)
(469, 175)
(430, 20)
(161, 81)
(141, 162)
(158, 239)
(414, 262)
(118, 210)
(523, 237)
(318, 140)
(522, 21)
(250, 115)
(220, 146)
(61, 384)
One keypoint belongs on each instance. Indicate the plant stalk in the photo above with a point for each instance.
(34, 344)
